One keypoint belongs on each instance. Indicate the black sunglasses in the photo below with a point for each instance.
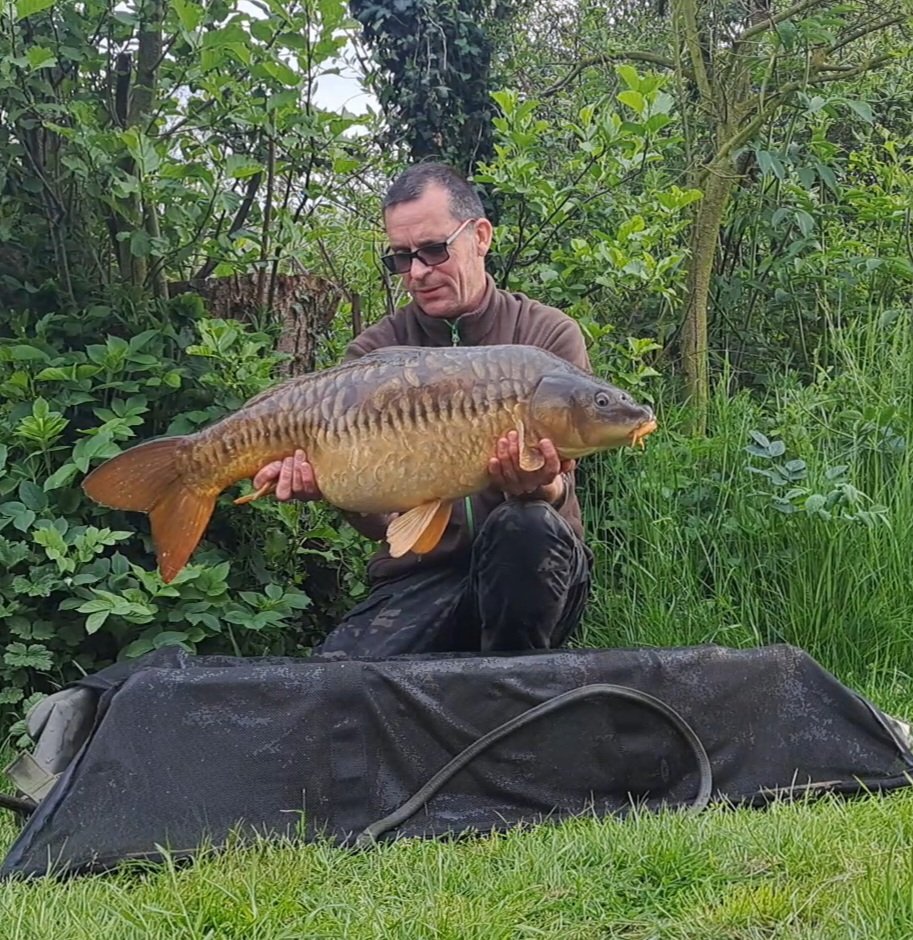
(400, 262)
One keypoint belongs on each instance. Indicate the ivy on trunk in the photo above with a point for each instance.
(433, 75)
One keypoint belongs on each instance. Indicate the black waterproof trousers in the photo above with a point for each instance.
(525, 587)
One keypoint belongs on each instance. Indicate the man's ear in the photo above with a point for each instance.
(484, 232)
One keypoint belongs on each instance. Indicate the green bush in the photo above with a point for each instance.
(78, 584)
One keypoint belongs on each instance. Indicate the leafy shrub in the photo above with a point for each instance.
(78, 585)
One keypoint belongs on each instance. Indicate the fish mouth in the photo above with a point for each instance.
(636, 438)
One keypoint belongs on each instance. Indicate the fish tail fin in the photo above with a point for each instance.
(147, 478)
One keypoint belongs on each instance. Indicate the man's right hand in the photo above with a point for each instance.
(294, 478)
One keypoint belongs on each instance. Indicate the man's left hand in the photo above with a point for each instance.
(545, 483)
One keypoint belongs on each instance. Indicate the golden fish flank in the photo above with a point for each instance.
(402, 429)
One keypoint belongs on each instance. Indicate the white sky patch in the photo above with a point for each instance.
(344, 91)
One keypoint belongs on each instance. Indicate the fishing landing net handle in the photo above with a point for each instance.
(371, 833)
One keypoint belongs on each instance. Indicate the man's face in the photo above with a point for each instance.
(457, 285)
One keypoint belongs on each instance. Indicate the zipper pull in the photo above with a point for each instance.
(454, 334)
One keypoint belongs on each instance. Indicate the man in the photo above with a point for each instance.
(511, 571)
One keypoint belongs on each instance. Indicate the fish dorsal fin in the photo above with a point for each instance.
(530, 457)
(419, 529)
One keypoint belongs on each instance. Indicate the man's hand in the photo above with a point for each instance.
(294, 478)
(545, 483)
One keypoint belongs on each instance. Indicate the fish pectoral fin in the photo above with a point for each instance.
(530, 457)
(256, 494)
(420, 529)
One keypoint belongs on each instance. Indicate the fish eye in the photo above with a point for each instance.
(602, 400)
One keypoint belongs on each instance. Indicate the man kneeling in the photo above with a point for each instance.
(512, 571)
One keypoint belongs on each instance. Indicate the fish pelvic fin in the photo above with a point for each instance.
(146, 478)
(420, 529)
(530, 457)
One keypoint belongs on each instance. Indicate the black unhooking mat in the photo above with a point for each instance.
(187, 750)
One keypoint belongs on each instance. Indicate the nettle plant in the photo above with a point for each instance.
(78, 584)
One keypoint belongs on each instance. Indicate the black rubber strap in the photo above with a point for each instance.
(24, 807)
(371, 833)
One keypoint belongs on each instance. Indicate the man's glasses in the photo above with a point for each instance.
(400, 262)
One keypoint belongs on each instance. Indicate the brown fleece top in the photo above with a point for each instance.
(502, 317)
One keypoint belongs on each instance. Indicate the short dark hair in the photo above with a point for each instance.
(412, 183)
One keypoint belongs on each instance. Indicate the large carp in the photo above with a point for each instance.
(401, 429)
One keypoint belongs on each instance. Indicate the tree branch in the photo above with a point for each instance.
(148, 55)
(253, 184)
(862, 31)
(771, 21)
(841, 75)
(171, 131)
(686, 10)
(778, 99)
(604, 58)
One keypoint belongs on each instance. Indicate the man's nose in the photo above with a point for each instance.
(422, 267)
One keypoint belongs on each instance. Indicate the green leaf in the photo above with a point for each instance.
(11, 694)
(828, 177)
(96, 447)
(805, 222)
(628, 74)
(297, 600)
(33, 656)
(143, 152)
(60, 477)
(55, 547)
(807, 176)
(634, 100)
(23, 353)
(138, 648)
(12, 554)
(862, 108)
(94, 622)
(41, 58)
(190, 14)
(169, 638)
(140, 244)
(32, 496)
(240, 166)
(42, 426)
(770, 164)
(26, 8)
(281, 72)
(22, 518)
(814, 503)
(262, 30)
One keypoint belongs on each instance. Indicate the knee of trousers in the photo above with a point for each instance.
(524, 521)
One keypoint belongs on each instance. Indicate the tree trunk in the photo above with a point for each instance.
(136, 99)
(304, 305)
(704, 240)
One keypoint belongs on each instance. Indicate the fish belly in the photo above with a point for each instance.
(407, 463)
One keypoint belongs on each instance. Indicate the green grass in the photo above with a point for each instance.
(692, 545)
(831, 869)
